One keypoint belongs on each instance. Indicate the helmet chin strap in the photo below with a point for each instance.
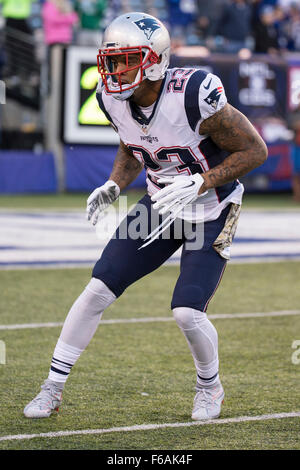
(124, 95)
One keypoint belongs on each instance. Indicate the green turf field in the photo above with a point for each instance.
(142, 373)
(78, 201)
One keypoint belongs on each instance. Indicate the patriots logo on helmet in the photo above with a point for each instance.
(214, 97)
(148, 26)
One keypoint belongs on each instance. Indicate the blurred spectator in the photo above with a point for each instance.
(91, 14)
(287, 4)
(207, 15)
(158, 8)
(16, 14)
(263, 3)
(182, 21)
(113, 9)
(59, 19)
(234, 26)
(203, 25)
(293, 28)
(281, 22)
(294, 124)
(264, 31)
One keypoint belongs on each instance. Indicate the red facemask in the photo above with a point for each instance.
(147, 57)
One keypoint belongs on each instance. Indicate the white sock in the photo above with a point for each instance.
(79, 328)
(202, 338)
(64, 357)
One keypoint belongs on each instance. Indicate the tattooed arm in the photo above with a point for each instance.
(126, 167)
(232, 131)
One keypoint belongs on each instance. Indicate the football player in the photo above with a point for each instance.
(178, 125)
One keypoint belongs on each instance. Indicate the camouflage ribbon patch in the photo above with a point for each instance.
(223, 242)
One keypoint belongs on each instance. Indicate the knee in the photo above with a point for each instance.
(98, 292)
(93, 300)
(188, 318)
(184, 317)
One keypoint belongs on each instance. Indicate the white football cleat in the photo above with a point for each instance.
(207, 402)
(47, 401)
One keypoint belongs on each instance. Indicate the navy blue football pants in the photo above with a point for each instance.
(122, 263)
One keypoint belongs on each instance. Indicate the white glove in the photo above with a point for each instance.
(100, 199)
(179, 192)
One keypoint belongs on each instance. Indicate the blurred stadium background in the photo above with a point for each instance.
(55, 144)
(53, 137)
(56, 147)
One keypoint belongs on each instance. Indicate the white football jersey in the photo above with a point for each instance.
(167, 142)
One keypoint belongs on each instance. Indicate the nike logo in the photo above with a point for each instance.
(207, 87)
(192, 184)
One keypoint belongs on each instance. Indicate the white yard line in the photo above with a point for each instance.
(149, 427)
(217, 316)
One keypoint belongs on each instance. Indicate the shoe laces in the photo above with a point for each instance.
(47, 395)
(206, 396)
(203, 396)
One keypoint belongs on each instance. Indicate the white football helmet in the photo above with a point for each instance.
(133, 33)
